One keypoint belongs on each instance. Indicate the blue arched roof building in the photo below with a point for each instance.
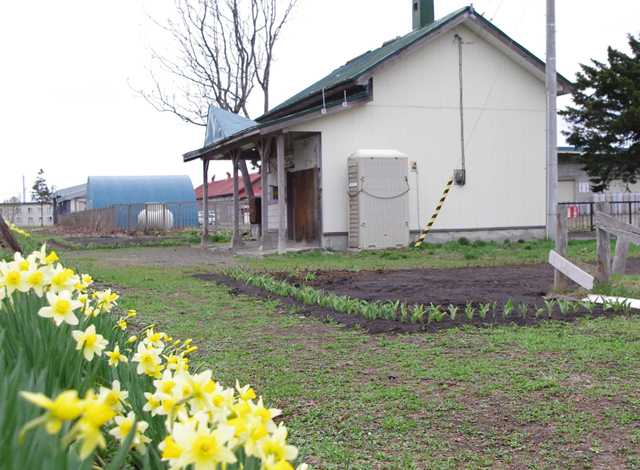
(122, 191)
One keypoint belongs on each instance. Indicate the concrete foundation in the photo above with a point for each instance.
(489, 234)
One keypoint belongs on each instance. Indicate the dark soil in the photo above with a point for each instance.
(524, 285)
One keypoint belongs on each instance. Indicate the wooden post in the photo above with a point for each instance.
(282, 191)
(205, 203)
(264, 148)
(236, 240)
(7, 236)
(603, 248)
(560, 281)
(620, 258)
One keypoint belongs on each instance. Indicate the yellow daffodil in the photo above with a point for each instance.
(124, 425)
(113, 397)
(170, 450)
(37, 280)
(61, 307)
(132, 339)
(274, 448)
(148, 360)
(63, 279)
(205, 449)
(122, 324)
(245, 393)
(65, 407)
(51, 258)
(115, 357)
(87, 429)
(89, 342)
(131, 313)
(13, 278)
(106, 300)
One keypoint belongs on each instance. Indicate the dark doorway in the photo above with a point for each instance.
(302, 200)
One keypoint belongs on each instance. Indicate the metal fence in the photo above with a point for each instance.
(221, 214)
(134, 217)
(581, 214)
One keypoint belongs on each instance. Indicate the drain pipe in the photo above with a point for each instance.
(460, 175)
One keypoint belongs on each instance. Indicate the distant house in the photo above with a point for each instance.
(71, 199)
(574, 184)
(383, 134)
(220, 193)
(27, 214)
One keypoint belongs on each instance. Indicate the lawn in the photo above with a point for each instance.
(554, 395)
(461, 253)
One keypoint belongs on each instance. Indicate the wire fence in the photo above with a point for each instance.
(581, 214)
(145, 217)
(142, 217)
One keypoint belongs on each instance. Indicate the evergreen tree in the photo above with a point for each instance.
(605, 120)
(40, 191)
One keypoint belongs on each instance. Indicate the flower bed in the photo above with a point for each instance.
(395, 315)
(76, 390)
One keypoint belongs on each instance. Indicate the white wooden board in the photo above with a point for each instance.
(600, 299)
(573, 272)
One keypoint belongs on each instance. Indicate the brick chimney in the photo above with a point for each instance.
(423, 13)
(228, 175)
(213, 177)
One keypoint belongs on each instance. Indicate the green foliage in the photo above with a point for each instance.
(417, 313)
(523, 309)
(605, 120)
(40, 191)
(483, 310)
(549, 305)
(469, 311)
(508, 308)
(37, 356)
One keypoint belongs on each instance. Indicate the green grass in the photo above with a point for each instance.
(448, 255)
(551, 396)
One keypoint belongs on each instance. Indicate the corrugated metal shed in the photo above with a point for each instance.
(106, 191)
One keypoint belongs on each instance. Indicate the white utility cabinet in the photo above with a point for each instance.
(378, 189)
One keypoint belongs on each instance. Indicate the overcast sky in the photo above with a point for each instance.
(66, 104)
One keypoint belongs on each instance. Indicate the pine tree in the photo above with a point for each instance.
(605, 120)
(40, 191)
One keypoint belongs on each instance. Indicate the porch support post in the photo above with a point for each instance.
(264, 148)
(205, 203)
(236, 240)
(282, 210)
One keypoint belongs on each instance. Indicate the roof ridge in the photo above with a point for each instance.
(342, 72)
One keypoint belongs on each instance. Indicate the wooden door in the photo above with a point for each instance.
(302, 205)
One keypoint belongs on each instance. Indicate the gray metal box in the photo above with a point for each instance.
(378, 188)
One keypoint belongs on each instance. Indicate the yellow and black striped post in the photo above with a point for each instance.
(427, 229)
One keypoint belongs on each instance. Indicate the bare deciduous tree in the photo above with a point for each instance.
(225, 50)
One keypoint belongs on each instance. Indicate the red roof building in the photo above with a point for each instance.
(224, 188)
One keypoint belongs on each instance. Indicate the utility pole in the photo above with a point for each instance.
(552, 122)
(24, 190)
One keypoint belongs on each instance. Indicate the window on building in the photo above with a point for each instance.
(584, 187)
(274, 193)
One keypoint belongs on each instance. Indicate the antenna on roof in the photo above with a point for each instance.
(345, 103)
(324, 103)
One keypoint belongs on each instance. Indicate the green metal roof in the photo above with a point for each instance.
(361, 64)
(357, 67)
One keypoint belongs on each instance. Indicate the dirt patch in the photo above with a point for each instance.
(525, 286)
